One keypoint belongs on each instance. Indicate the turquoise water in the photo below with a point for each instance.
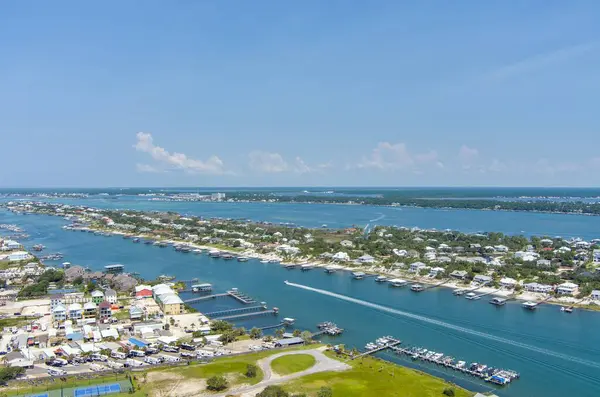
(337, 216)
(557, 354)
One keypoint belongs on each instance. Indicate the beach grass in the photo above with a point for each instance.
(291, 363)
(370, 377)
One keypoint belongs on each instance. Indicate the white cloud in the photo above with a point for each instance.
(214, 165)
(497, 166)
(396, 156)
(146, 168)
(301, 167)
(267, 162)
(539, 61)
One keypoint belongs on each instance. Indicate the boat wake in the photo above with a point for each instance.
(495, 338)
(380, 217)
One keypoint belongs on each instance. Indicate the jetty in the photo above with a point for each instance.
(328, 328)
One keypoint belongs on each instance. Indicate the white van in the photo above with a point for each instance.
(118, 355)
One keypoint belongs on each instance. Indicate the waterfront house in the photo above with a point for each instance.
(97, 296)
(595, 294)
(105, 311)
(341, 256)
(59, 313)
(10, 245)
(582, 245)
(459, 274)
(366, 259)
(567, 288)
(18, 256)
(111, 296)
(75, 311)
(415, 267)
(434, 271)
(563, 250)
(482, 279)
(507, 282)
(89, 310)
(536, 287)
(546, 242)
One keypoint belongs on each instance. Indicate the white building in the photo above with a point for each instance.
(595, 294)
(507, 282)
(19, 256)
(366, 259)
(341, 256)
(567, 289)
(59, 313)
(536, 287)
(347, 243)
(526, 256)
(482, 279)
(415, 267)
(434, 271)
(111, 296)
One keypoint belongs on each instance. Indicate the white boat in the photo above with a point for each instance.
(397, 282)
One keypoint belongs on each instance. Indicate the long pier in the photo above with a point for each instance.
(485, 294)
(245, 299)
(236, 311)
(546, 299)
(203, 298)
(253, 314)
(272, 326)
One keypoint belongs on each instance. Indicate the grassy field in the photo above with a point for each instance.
(292, 363)
(370, 377)
(15, 321)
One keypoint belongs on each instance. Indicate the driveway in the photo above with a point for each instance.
(322, 364)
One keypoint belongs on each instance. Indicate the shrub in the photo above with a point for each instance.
(217, 383)
(251, 371)
(448, 392)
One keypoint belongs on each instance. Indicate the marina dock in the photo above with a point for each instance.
(234, 293)
(203, 298)
(489, 374)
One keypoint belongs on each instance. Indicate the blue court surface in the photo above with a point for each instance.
(99, 390)
(38, 395)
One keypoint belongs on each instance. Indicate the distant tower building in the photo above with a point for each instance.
(217, 196)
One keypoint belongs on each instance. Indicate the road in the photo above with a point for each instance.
(323, 363)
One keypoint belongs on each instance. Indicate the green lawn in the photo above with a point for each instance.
(371, 377)
(16, 321)
(291, 363)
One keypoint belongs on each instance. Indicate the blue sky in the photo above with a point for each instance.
(276, 93)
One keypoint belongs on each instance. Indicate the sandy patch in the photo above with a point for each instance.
(169, 383)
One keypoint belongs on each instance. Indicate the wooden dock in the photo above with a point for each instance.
(435, 285)
(207, 297)
(273, 312)
(485, 294)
